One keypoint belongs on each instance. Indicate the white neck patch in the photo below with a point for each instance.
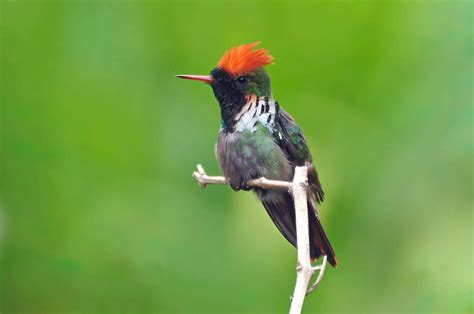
(257, 110)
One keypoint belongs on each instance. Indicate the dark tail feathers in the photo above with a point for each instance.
(320, 244)
(280, 207)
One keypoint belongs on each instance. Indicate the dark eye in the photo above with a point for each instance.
(242, 79)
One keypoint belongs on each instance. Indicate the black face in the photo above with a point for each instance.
(230, 93)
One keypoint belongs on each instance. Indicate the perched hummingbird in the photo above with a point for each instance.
(258, 138)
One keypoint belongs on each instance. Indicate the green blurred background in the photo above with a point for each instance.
(99, 212)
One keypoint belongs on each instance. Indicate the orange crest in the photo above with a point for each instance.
(242, 59)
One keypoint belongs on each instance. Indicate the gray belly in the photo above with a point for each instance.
(249, 155)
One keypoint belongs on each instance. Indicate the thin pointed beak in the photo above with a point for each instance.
(203, 78)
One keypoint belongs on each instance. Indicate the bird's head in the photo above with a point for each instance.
(238, 75)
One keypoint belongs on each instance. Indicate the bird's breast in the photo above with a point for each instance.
(253, 153)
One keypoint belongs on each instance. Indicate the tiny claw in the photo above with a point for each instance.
(245, 187)
(235, 187)
(239, 184)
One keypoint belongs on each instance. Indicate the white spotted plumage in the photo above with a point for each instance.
(257, 110)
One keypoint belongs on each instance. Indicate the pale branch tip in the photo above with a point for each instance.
(203, 179)
(304, 270)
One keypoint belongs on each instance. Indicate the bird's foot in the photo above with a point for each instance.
(245, 187)
(238, 185)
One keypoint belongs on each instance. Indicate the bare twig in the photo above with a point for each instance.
(304, 270)
(203, 179)
(321, 269)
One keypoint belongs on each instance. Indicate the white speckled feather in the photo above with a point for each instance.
(256, 110)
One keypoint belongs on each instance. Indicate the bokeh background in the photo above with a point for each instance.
(99, 212)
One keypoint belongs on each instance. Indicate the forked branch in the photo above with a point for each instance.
(304, 269)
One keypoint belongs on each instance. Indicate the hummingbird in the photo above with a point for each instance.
(258, 138)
